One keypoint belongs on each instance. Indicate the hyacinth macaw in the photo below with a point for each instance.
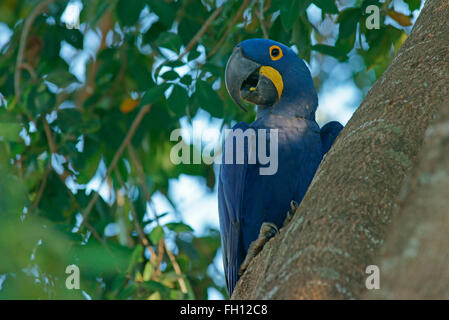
(253, 207)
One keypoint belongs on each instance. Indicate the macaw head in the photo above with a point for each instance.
(272, 76)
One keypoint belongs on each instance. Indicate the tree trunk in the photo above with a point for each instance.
(345, 216)
(415, 258)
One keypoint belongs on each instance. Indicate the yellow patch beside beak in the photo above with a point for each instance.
(274, 76)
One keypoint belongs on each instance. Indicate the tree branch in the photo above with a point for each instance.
(259, 15)
(141, 176)
(50, 140)
(200, 32)
(237, 16)
(41, 187)
(142, 236)
(23, 40)
(132, 130)
(177, 269)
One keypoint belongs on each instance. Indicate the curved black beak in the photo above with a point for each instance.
(238, 69)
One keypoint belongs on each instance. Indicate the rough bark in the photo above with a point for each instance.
(344, 217)
(415, 258)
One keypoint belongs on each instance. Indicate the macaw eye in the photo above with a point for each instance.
(275, 53)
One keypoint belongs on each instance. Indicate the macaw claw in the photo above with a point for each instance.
(290, 213)
(267, 231)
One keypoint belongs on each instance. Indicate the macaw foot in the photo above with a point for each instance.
(290, 213)
(267, 231)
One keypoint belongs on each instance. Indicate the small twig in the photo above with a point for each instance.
(195, 38)
(52, 147)
(259, 16)
(30, 70)
(200, 33)
(386, 5)
(88, 225)
(160, 256)
(141, 176)
(105, 24)
(132, 130)
(142, 236)
(267, 6)
(177, 269)
(50, 140)
(42, 187)
(123, 285)
(234, 21)
(22, 44)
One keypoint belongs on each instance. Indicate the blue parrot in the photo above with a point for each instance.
(253, 207)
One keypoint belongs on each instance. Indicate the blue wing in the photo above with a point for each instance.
(329, 133)
(230, 194)
(246, 198)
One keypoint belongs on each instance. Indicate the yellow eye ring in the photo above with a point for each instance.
(275, 53)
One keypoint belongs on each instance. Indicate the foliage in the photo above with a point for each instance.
(157, 62)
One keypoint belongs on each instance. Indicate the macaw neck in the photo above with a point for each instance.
(290, 108)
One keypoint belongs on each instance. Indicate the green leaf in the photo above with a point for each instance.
(277, 31)
(94, 260)
(13, 193)
(367, 3)
(140, 74)
(39, 99)
(178, 100)
(154, 94)
(159, 119)
(208, 99)
(136, 256)
(169, 40)
(170, 75)
(74, 37)
(154, 286)
(348, 20)
(164, 10)
(413, 4)
(187, 80)
(10, 131)
(192, 19)
(174, 64)
(327, 6)
(87, 167)
(301, 37)
(94, 10)
(61, 78)
(128, 11)
(193, 55)
(156, 235)
(290, 11)
(335, 52)
(69, 119)
(128, 292)
(52, 43)
(179, 227)
(380, 42)
(153, 33)
(148, 271)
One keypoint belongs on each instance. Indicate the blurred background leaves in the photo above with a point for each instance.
(89, 94)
